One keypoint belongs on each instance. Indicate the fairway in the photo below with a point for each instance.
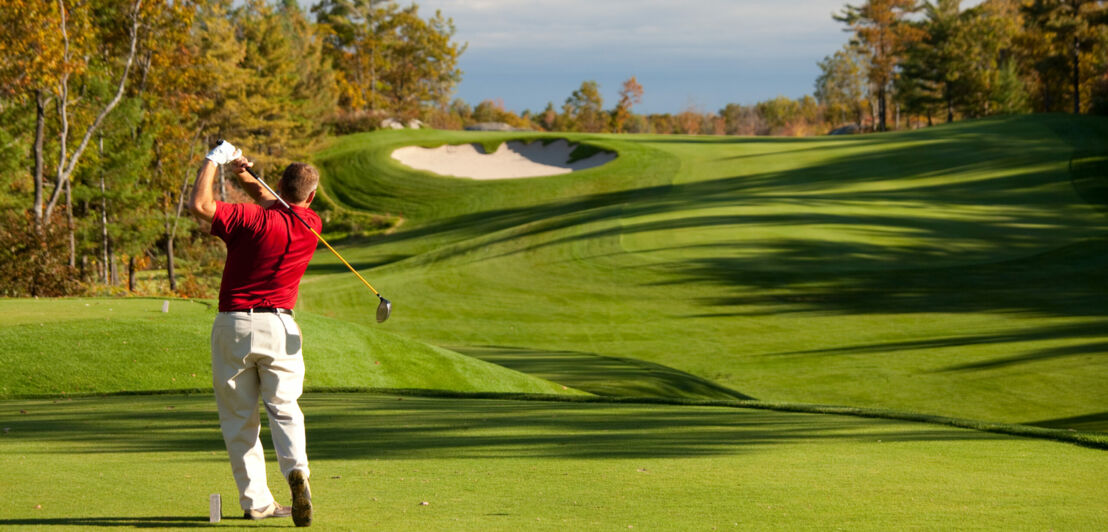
(660, 342)
(957, 270)
(512, 465)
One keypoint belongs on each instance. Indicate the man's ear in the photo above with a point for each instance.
(311, 196)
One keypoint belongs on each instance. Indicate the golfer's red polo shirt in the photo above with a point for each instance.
(267, 253)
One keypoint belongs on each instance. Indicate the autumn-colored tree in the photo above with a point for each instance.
(779, 113)
(630, 94)
(495, 111)
(285, 86)
(31, 60)
(548, 117)
(177, 75)
(742, 120)
(983, 51)
(881, 26)
(1074, 28)
(76, 57)
(422, 60)
(841, 86)
(354, 41)
(689, 120)
(389, 57)
(585, 108)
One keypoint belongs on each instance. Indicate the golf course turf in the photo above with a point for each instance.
(643, 344)
(151, 461)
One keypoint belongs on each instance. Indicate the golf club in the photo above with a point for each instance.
(384, 309)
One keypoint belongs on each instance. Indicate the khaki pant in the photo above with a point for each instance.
(257, 356)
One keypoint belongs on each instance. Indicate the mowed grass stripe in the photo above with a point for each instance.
(510, 465)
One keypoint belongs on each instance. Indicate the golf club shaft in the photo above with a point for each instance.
(317, 235)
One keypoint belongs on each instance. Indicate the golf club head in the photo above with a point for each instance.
(384, 310)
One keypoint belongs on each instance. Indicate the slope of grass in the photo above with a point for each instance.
(512, 465)
(952, 271)
(82, 346)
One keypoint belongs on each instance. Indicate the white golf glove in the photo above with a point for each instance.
(224, 153)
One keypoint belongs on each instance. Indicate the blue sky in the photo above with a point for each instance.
(686, 53)
(700, 53)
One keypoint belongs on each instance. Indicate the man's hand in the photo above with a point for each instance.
(250, 184)
(223, 153)
(240, 164)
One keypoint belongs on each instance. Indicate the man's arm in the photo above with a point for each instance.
(202, 202)
(251, 185)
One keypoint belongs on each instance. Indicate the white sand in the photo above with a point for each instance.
(512, 159)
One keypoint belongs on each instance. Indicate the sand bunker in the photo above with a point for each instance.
(512, 159)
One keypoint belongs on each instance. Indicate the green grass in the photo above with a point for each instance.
(872, 332)
(144, 462)
(90, 346)
(952, 271)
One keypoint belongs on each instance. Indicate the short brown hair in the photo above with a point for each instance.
(298, 181)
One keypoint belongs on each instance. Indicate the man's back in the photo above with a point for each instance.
(268, 251)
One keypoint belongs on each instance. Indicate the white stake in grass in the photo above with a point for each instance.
(215, 505)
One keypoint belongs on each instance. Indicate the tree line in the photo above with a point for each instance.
(906, 64)
(584, 111)
(910, 63)
(108, 107)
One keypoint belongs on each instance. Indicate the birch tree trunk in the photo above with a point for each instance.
(66, 161)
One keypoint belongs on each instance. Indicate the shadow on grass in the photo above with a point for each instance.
(160, 522)
(410, 427)
(603, 375)
(162, 423)
(1091, 335)
(345, 426)
(1090, 423)
(947, 263)
(322, 268)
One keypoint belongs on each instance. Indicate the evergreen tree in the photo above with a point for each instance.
(1009, 94)
(881, 26)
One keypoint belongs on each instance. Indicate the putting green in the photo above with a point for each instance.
(127, 462)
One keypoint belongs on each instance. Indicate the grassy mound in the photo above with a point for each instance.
(83, 346)
(952, 271)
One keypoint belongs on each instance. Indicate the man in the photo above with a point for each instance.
(256, 345)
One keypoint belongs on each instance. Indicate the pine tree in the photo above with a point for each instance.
(881, 27)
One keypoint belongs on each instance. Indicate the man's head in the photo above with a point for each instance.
(298, 183)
